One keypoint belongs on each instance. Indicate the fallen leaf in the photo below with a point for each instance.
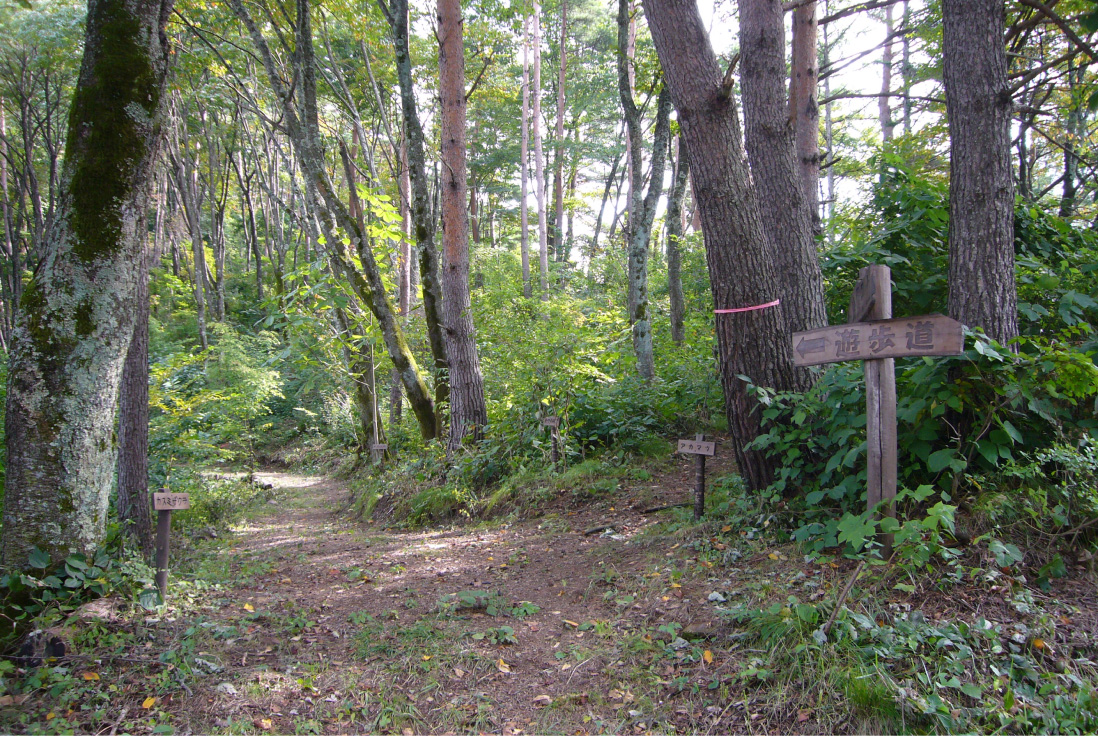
(803, 716)
(249, 607)
(427, 657)
(573, 624)
(665, 598)
(50, 716)
(1037, 644)
(726, 528)
(407, 732)
(708, 656)
(772, 556)
(675, 585)
(503, 666)
(148, 703)
(459, 672)
(285, 580)
(265, 723)
(543, 701)
(91, 676)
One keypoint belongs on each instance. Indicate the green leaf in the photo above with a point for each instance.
(39, 559)
(149, 599)
(940, 460)
(855, 530)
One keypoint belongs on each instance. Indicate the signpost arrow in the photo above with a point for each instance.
(878, 342)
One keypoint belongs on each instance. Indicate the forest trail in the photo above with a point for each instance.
(328, 625)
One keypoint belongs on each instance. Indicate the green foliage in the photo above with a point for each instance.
(46, 593)
(961, 422)
(210, 406)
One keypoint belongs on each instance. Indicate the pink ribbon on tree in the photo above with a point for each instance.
(747, 309)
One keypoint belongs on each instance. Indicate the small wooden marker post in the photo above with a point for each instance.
(878, 342)
(553, 423)
(377, 451)
(164, 503)
(700, 449)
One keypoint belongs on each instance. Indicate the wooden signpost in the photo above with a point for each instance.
(164, 503)
(700, 449)
(553, 423)
(871, 335)
(377, 451)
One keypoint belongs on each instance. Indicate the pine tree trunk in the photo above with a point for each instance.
(804, 107)
(468, 412)
(741, 268)
(77, 313)
(769, 134)
(982, 290)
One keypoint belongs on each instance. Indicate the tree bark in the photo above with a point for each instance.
(982, 290)
(558, 172)
(884, 108)
(77, 313)
(133, 426)
(539, 159)
(468, 412)
(769, 134)
(674, 236)
(524, 166)
(804, 107)
(742, 272)
(422, 214)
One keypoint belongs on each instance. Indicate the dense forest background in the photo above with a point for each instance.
(312, 299)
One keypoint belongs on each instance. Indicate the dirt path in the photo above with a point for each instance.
(332, 626)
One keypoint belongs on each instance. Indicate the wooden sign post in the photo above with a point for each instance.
(700, 449)
(871, 335)
(553, 423)
(377, 451)
(164, 503)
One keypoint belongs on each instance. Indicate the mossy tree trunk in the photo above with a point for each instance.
(77, 313)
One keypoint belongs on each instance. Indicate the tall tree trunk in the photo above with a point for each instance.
(539, 159)
(76, 318)
(982, 290)
(1075, 131)
(133, 426)
(674, 236)
(524, 166)
(906, 71)
(769, 134)
(558, 172)
(804, 108)
(468, 412)
(422, 214)
(742, 273)
(884, 107)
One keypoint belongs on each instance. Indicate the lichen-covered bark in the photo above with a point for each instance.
(422, 214)
(674, 253)
(76, 315)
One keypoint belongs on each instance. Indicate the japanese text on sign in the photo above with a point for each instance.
(895, 338)
(171, 501)
(696, 447)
